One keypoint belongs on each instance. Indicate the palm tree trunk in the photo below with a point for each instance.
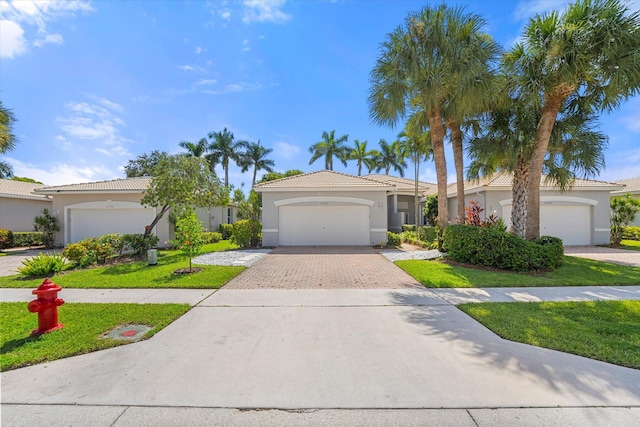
(553, 102)
(225, 165)
(416, 196)
(255, 173)
(359, 168)
(437, 140)
(458, 157)
(519, 198)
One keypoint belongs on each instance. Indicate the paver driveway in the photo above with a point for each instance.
(323, 267)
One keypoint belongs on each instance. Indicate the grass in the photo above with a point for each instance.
(574, 272)
(632, 245)
(83, 326)
(140, 275)
(601, 330)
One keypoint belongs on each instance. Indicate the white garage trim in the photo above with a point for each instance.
(100, 207)
(324, 225)
(334, 199)
(572, 199)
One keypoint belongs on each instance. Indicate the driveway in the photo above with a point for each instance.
(10, 263)
(599, 253)
(323, 267)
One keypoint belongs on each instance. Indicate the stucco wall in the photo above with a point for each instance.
(60, 201)
(18, 214)
(377, 212)
(212, 218)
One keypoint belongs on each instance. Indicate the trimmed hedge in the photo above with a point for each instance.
(492, 247)
(6, 238)
(27, 238)
(226, 230)
(631, 232)
(393, 239)
(211, 236)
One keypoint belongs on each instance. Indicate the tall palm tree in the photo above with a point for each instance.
(330, 147)
(255, 155)
(197, 149)
(416, 144)
(7, 139)
(587, 57)
(223, 149)
(362, 156)
(576, 148)
(391, 156)
(418, 69)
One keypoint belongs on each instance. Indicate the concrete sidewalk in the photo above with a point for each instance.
(329, 357)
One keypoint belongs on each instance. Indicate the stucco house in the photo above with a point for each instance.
(579, 216)
(93, 209)
(401, 200)
(19, 205)
(632, 187)
(324, 208)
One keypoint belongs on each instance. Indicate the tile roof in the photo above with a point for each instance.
(505, 179)
(9, 187)
(322, 179)
(138, 184)
(405, 184)
(632, 185)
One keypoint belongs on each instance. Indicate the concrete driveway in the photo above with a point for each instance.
(599, 253)
(10, 263)
(323, 267)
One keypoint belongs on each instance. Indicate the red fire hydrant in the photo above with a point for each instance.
(46, 306)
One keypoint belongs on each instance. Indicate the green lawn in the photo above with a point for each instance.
(83, 325)
(574, 272)
(601, 330)
(632, 245)
(141, 275)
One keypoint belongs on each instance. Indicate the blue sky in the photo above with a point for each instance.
(94, 84)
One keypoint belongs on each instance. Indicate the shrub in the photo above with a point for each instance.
(631, 232)
(188, 234)
(139, 243)
(247, 233)
(6, 238)
(77, 254)
(211, 236)
(47, 224)
(492, 247)
(114, 241)
(96, 250)
(427, 234)
(226, 230)
(408, 227)
(393, 239)
(43, 265)
(27, 238)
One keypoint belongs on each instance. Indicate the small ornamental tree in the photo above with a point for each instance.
(189, 235)
(623, 211)
(47, 224)
(182, 182)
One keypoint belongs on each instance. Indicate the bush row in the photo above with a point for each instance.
(492, 247)
(18, 239)
(97, 250)
(631, 232)
(211, 237)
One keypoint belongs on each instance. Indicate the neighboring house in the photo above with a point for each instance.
(632, 187)
(401, 200)
(324, 208)
(94, 209)
(579, 216)
(19, 205)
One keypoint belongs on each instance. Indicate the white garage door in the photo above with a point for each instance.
(98, 222)
(324, 225)
(570, 223)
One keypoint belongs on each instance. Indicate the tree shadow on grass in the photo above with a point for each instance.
(562, 373)
(11, 345)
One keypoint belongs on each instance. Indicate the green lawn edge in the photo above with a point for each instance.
(141, 275)
(601, 330)
(574, 272)
(84, 323)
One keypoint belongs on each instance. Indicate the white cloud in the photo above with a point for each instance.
(225, 14)
(188, 67)
(49, 38)
(285, 150)
(264, 11)
(205, 82)
(12, 41)
(96, 123)
(199, 50)
(62, 173)
(246, 47)
(18, 14)
(527, 9)
(237, 88)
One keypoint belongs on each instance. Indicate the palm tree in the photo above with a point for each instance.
(420, 68)
(255, 155)
(197, 149)
(330, 147)
(391, 156)
(221, 150)
(576, 148)
(362, 156)
(587, 57)
(416, 143)
(7, 139)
